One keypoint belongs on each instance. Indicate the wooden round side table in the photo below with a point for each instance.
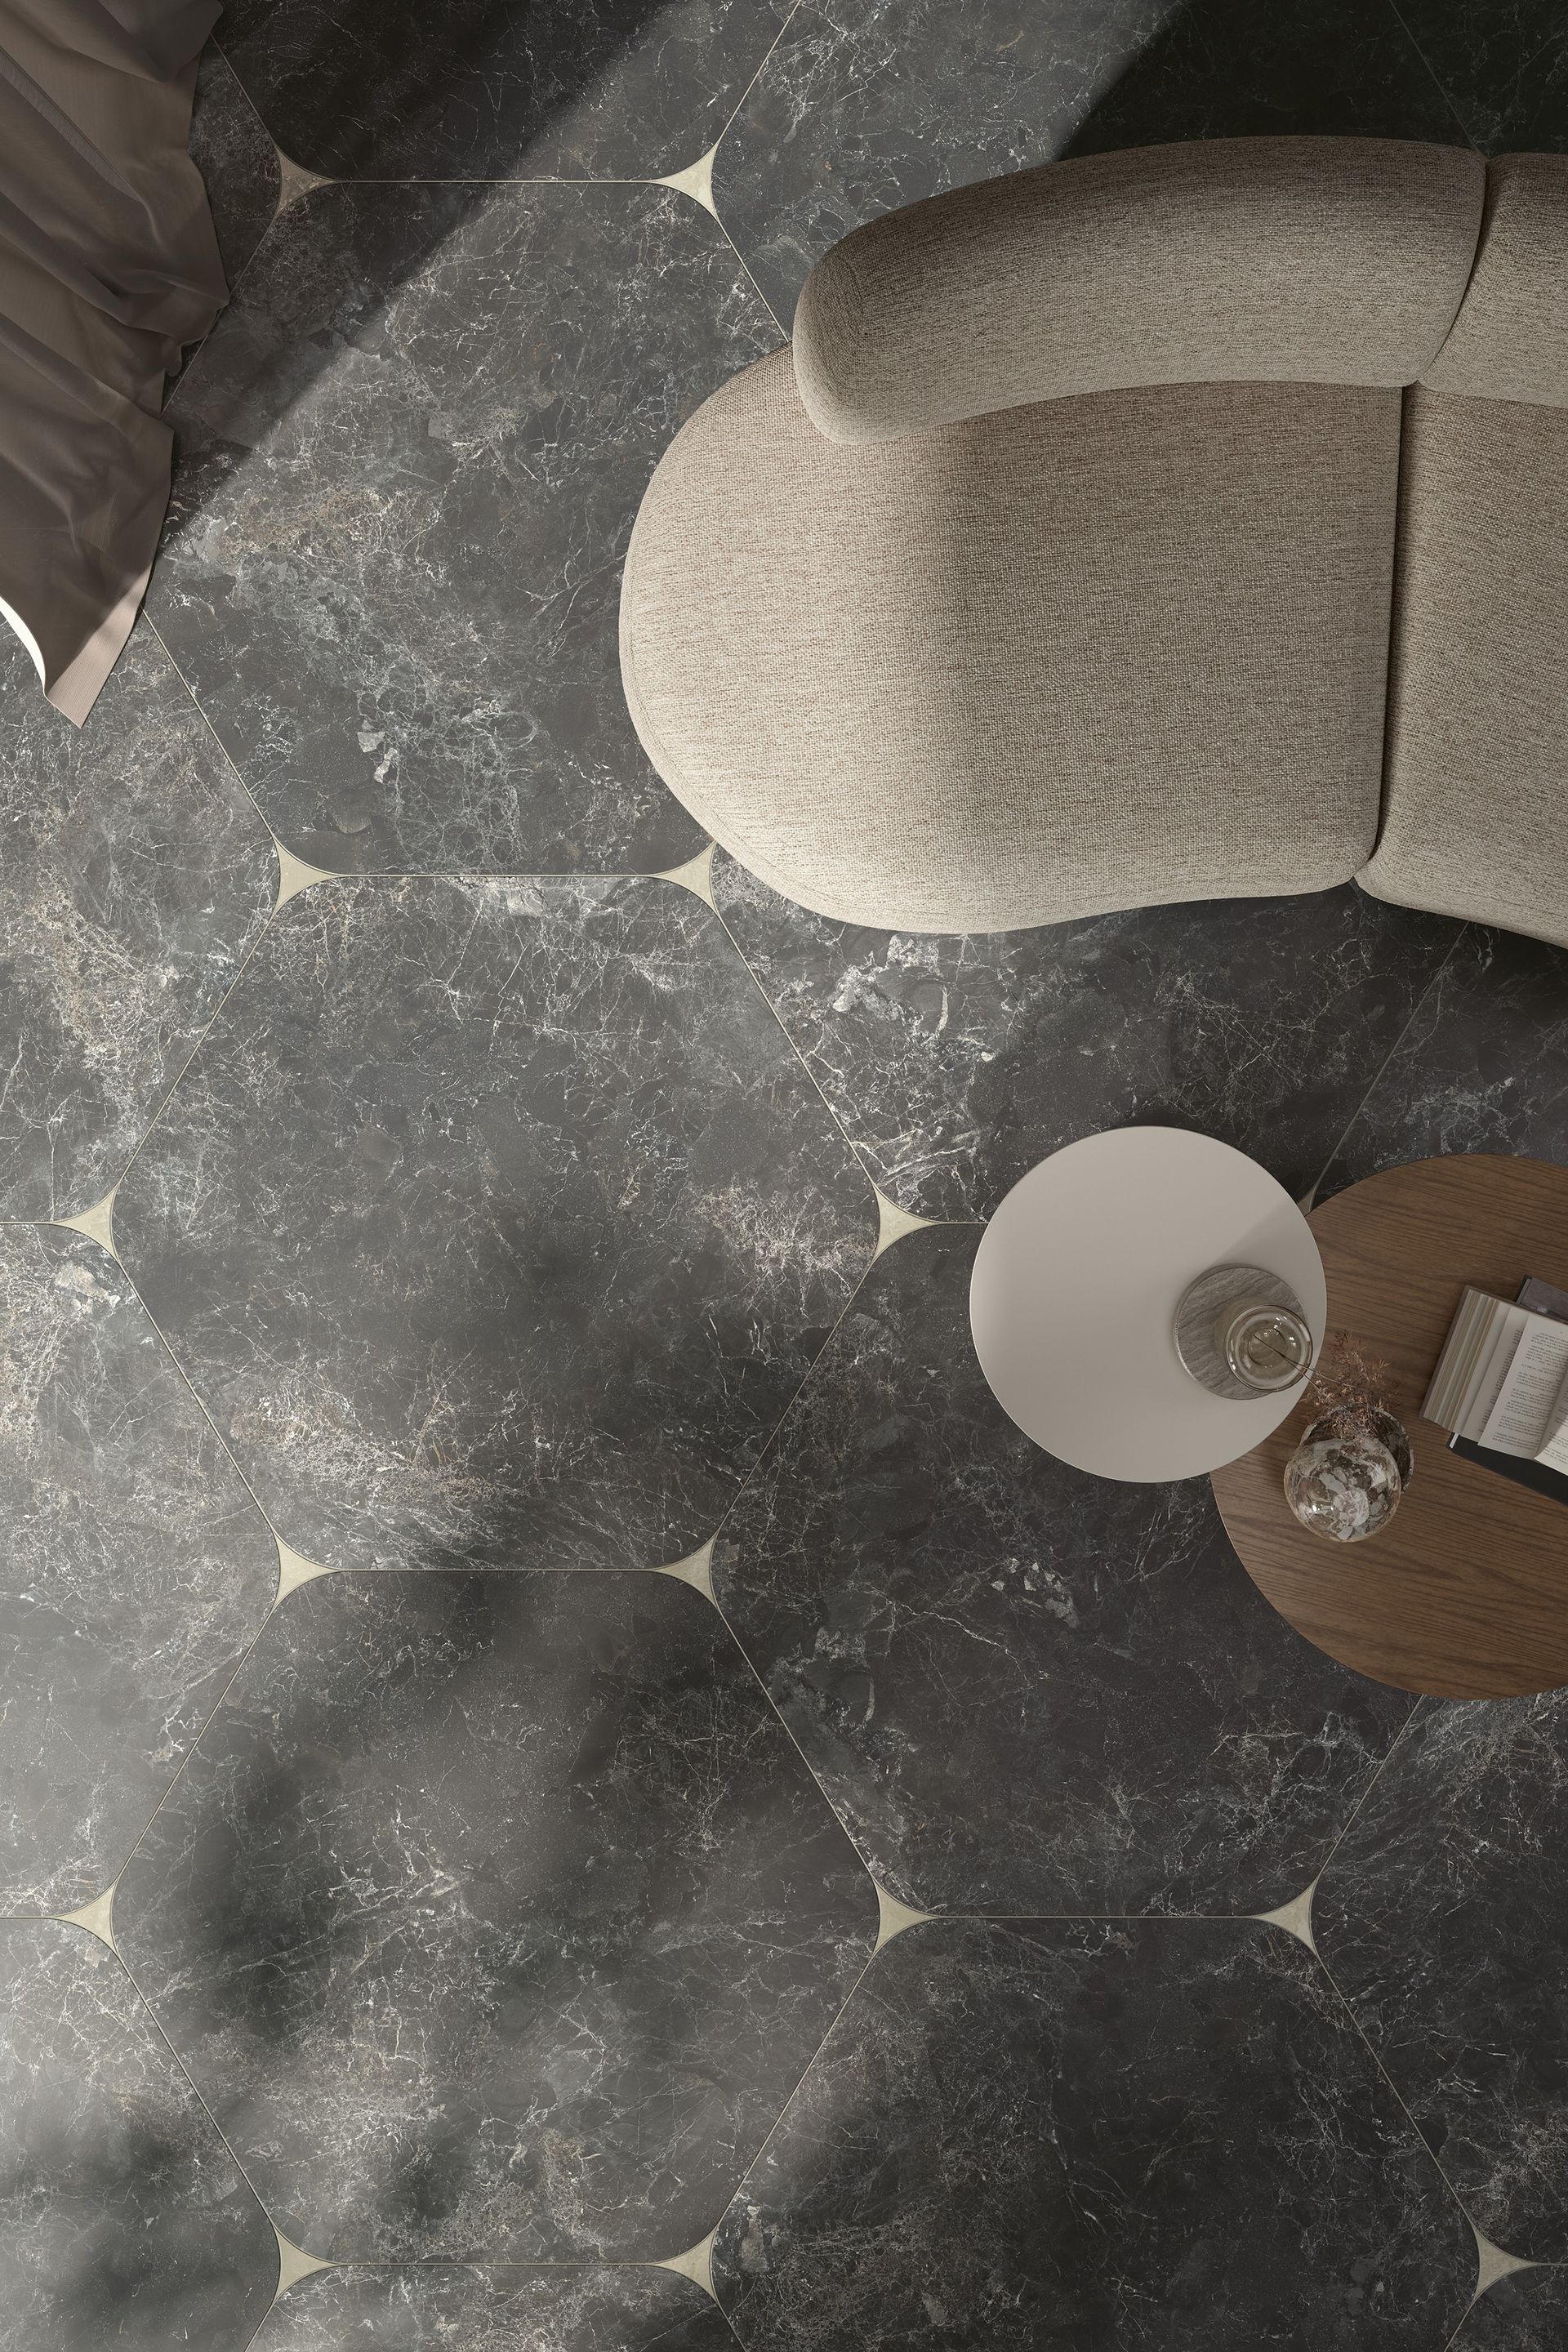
(1465, 1593)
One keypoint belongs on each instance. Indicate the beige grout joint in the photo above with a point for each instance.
(294, 875)
(1492, 2263)
(893, 1916)
(695, 2263)
(695, 1569)
(294, 181)
(695, 180)
(893, 1224)
(97, 1223)
(696, 876)
(1294, 1917)
(293, 1569)
(293, 2264)
(97, 1916)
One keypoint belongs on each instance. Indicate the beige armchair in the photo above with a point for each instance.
(1053, 571)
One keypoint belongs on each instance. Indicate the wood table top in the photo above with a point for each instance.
(1465, 1593)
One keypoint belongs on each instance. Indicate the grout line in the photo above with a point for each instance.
(229, 759)
(1469, 139)
(1386, 1063)
(1365, 1798)
(787, 338)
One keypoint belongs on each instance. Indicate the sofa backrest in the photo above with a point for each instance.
(1282, 261)
(1510, 341)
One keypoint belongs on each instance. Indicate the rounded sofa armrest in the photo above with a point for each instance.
(1226, 261)
(1511, 338)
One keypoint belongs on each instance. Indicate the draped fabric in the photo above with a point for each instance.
(108, 264)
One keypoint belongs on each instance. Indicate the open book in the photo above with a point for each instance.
(1502, 1380)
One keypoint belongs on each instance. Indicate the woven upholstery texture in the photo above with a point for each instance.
(1476, 811)
(1285, 261)
(1510, 341)
(1088, 654)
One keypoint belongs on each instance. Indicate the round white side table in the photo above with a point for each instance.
(1075, 1289)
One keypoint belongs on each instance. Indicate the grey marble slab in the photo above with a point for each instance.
(956, 1063)
(408, 460)
(496, 1223)
(1501, 64)
(134, 876)
(495, 1916)
(461, 2309)
(1441, 1917)
(1096, 2138)
(135, 1569)
(236, 159)
(1484, 1066)
(868, 104)
(1026, 1689)
(1526, 2311)
(124, 2221)
(633, 91)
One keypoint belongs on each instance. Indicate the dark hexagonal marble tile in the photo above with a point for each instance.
(123, 2219)
(1501, 64)
(1026, 1689)
(496, 1223)
(136, 1569)
(134, 876)
(1441, 1917)
(954, 1063)
(1526, 2311)
(868, 104)
(379, 88)
(495, 1915)
(408, 460)
(235, 158)
(1052, 2138)
(1484, 1066)
(462, 2309)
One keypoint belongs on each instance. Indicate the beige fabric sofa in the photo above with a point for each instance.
(1185, 522)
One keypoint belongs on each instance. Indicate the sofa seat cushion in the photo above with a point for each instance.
(1476, 815)
(1095, 653)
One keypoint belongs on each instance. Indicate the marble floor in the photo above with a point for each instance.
(571, 1784)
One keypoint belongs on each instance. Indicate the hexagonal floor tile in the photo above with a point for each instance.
(867, 104)
(1026, 1689)
(495, 1916)
(137, 1569)
(496, 1224)
(134, 876)
(1047, 2137)
(123, 2219)
(408, 458)
(636, 92)
(464, 2310)
(1441, 1916)
(954, 1063)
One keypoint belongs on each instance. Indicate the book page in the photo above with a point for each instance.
(1490, 1372)
(1523, 1415)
